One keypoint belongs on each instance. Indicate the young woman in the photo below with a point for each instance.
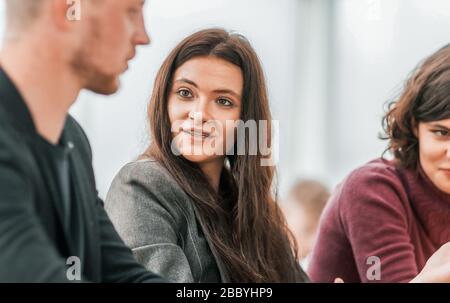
(194, 208)
(388, 217)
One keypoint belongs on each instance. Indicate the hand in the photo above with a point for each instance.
(437, 268)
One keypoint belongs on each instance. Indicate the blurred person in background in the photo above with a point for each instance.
(302, 208)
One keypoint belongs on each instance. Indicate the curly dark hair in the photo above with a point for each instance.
(425, 98)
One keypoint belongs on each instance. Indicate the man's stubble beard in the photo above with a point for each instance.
(92, 77)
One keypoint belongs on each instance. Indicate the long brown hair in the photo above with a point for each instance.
(246, 226)
(425, 98)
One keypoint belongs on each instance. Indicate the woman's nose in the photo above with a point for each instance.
(447, 151)
(200, 112)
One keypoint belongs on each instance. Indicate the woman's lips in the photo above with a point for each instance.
(196, 133)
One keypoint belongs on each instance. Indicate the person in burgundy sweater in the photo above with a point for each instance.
(389, 217)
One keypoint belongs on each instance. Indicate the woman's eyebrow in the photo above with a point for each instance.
(439, 126)
(187, 81)
(227, 91)
(217, 91)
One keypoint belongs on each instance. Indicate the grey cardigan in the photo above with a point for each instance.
(157, 220)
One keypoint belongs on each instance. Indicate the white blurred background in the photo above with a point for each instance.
(330, 65)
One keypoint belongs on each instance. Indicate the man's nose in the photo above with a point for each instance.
(141, 36)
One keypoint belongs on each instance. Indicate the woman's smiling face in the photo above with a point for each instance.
(204, 104)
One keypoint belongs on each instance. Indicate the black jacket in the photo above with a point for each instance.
(35, 241)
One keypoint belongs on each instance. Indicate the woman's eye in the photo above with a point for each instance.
(184, 93)
(225, 102)
(441, 133)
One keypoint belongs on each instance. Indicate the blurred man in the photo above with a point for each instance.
(52, 225)
(302, 208)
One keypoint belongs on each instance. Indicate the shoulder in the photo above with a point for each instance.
(380, 176)
(144, 184)
(376, 188)
(146, 205)
(375, 171)
(150, 174)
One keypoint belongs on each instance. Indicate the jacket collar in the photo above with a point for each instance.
(12, 102)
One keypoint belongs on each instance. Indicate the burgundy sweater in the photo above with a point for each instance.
(380, 211)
